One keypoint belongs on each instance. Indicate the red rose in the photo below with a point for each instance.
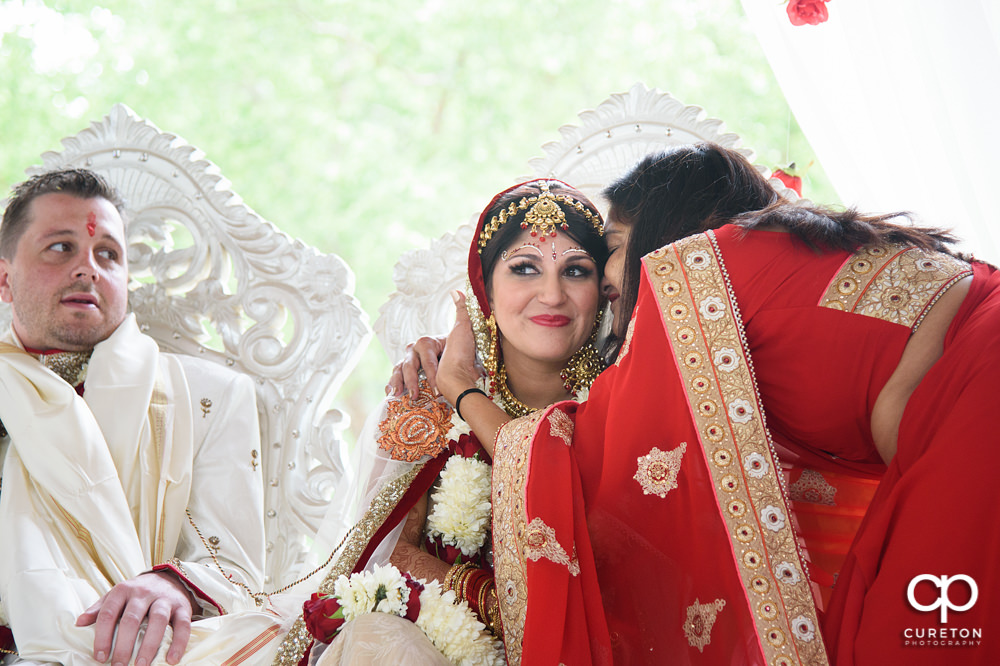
(468, 447)
(323, 616)
(436, 547)
(801, 12)
(413, 603)
(790, 180)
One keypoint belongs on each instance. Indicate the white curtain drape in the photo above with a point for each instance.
(899, 99)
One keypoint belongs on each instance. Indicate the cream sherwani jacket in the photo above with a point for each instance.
(95, 491)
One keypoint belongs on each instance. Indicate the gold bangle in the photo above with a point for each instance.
(496, 619)
(453, 579)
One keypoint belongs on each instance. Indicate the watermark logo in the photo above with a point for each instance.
(943, 583)
(941, 593)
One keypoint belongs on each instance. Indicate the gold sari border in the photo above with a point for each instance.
(895, 283)
(510, 543)
(702, 320)
(297, 640)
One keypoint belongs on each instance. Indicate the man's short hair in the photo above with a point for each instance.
(81, 183)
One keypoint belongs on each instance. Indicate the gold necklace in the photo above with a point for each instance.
(509, 402)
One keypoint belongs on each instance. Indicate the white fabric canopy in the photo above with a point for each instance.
(899, 100)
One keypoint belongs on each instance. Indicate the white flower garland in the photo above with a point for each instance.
(462, 508)
(452, 627)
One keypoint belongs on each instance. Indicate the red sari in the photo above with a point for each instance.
(725, 463)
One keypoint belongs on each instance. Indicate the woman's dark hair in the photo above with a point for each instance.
(692, 188)
(581, 228)
(673, 194)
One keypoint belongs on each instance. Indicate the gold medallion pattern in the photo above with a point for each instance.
(725, 405)
(658, 470)
(812, 487)
(699, 622)
(894, 283)
(540, 542)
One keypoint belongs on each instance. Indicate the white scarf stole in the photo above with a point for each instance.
(73, 471)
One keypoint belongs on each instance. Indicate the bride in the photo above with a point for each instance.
(422, 499)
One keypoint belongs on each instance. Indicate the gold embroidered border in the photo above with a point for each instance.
(894, 283)
(510, 527)
(297, 640)
(702, 321)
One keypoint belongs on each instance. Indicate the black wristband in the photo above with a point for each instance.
(458, 400)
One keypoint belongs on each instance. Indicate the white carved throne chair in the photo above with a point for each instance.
(210, 278)
(609, 140)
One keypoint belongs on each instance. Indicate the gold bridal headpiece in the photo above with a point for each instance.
(545, 214)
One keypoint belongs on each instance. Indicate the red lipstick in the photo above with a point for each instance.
(551, 320)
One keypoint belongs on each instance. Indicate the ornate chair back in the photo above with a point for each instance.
(210, 278)
(609, 140)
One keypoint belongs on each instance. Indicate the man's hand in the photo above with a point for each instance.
(159, 599)
(423, 353)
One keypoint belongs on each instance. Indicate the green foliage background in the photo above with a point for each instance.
(365, 128)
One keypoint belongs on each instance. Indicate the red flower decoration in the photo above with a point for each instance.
(789, 179)
(413, 602)
(801, 12)
(451, 554)
(323, 616)
(468, 446)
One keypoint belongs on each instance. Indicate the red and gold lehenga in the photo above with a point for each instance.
(723, 475)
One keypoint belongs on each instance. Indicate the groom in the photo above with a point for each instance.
(130, 503)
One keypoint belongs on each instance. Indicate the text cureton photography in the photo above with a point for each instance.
(928, 593)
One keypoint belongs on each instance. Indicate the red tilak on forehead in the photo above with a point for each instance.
(91, 224)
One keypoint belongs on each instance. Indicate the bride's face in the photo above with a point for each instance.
(544, 293)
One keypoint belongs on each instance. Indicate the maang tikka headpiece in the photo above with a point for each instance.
(544, 213)
(544, 217)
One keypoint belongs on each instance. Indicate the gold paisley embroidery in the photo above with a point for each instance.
(561, 426)
(657, 473)
(699, 622)
(894, 283)
(540, 541)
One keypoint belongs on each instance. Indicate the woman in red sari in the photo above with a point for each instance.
(714, 535)
(421, 497)
(872, 352)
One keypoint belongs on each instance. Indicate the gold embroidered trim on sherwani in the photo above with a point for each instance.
(895, 283)
(702, 320)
